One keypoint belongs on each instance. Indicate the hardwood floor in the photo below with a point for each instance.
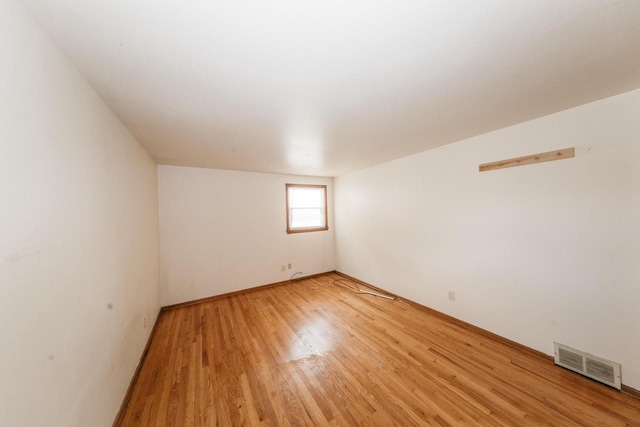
(311, 353)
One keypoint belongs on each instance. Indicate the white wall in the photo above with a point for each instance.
(222, 231)
(79, 239)
(534, 253)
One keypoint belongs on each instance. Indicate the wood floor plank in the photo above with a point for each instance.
(310, 353)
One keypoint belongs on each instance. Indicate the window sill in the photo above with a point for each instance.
(307, 230)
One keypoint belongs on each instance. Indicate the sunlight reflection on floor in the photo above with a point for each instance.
(315, 338)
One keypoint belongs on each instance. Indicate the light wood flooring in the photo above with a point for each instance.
(311, 353)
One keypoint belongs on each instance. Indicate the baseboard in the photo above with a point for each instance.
(513, 344)
(631, 391)
(136, 374)
(239, 292)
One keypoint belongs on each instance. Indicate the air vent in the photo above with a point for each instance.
(591, 366)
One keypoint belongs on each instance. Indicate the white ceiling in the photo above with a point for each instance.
(325, 87)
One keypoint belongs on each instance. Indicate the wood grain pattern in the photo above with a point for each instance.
(310, 353)
(565, 153)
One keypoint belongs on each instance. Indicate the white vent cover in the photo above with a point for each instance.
(591, 366)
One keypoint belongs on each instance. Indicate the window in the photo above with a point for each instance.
(306, 208)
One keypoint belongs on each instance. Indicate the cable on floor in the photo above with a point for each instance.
(358, 290)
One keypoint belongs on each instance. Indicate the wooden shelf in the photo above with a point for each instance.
(564, 153)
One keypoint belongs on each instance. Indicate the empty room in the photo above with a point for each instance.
(314, 213)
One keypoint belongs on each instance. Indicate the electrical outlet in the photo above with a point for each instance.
(289, 266)
(452, 295)
(283, 268)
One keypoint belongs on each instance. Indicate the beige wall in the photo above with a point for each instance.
(79, 239)
(540, 253)
(222, 231)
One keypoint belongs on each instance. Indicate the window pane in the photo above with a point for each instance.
(307, 217)
(306, 197)
(306, 208)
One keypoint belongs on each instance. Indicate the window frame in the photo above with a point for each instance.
(306, 229)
